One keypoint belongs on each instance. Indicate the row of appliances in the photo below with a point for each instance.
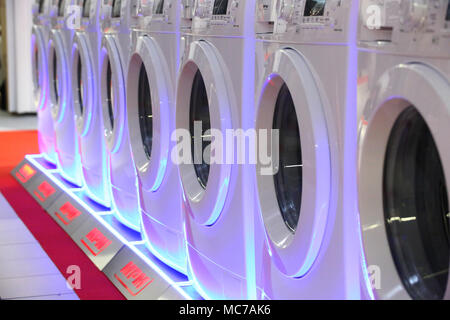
(357, 91)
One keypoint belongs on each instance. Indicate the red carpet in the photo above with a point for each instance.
(56, 243)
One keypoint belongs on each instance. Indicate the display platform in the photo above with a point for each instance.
(119, 252)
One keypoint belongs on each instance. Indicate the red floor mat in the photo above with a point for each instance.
(56, 243)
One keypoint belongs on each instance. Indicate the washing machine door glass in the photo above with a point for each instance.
(83, 83)
(205, 101)
(110, 101)
(416, 207)
(39, 65)
(55, 79)
(145, 111)
(403, 177)
(288, 180)
(36, 69)
(199, 115)
(80, 85)
(294, 195)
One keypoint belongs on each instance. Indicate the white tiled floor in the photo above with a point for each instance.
(11, 122)
(26, 272)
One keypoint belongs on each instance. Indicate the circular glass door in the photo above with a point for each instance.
(149, 98)
(83, 84)
(38, 68)
(80, 85)
(416, 207)
(294, 196)
(288, 180)
(204, 106)
(145, 111)
(199, 116)
(403, 176)
(110, 92)
(55, 84)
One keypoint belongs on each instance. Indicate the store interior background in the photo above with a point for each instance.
(17, 110)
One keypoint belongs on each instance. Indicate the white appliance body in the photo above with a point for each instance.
(151, 92)
(85, 53)
(306, 223)
(39, 40)
(61, 101)
(215, 86)
(117, 18)
(403, 150)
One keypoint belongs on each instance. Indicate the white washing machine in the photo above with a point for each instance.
(151, 91)
(39, 40)
(60, 65)
(85, 72)
(215, 90)
(404, 154)
(117, 18)
(306, 222)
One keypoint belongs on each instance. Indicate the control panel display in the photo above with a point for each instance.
(117, 4)
(86, 8)
(159, 7)
(447, 17)
(314, 8)
(220, 7)
(61, 8)
(41, 6)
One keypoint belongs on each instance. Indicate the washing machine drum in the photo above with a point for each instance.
(404, 158)
(294, 191)
(150, 100)
(40, 67)
(83, 83)
(202, 110)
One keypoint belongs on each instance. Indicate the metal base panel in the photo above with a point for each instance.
(119, 252)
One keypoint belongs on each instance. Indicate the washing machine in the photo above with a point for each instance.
(215, 97)
(117, 18)
(306, 222)
(39, 40)
(85, 74)
(403, 149)
(61, 104)
(151, 91)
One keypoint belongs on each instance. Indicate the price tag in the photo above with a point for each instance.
(134, 278)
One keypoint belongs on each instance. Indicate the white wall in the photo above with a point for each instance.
(20, 86)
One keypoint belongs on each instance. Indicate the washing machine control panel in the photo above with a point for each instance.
(187, 13)
(265, 16)
(157, 15)
(221, 17)
(416, 26)
(313, 20)
(40, 11)
(58, 12)
(89, 11)
(118, 14)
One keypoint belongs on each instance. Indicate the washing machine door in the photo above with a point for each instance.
(404, 170)
(83, 83)
(113, 93)
(294, 194)
(58, 75)
(150, 98)
(204, 97)
(39, 66)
